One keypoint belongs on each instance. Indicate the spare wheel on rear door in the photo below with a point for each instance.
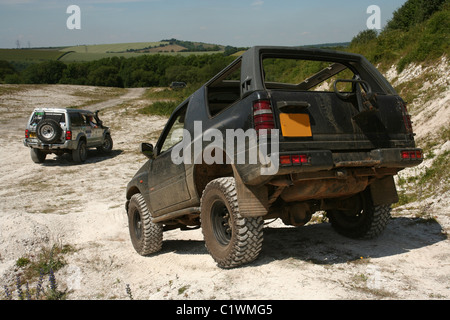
(48, 131)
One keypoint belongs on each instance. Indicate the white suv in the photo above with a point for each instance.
(59, 131)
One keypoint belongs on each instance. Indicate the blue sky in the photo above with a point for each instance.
(238, 23)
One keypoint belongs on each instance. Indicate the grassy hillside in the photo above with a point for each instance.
(82, 53)
(118, 47)
(31, 55)
(418, 32)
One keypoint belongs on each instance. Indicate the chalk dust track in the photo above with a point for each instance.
(60, 202)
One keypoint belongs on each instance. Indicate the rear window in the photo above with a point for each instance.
(305, 75)
(39, 115)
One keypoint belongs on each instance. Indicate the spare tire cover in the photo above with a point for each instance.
(48, 131)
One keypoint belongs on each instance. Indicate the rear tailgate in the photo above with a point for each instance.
(347, 134)
(322, 120)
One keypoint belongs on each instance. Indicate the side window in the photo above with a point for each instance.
(37, 116)
(225, 90)
(76, 119)
(175, 133)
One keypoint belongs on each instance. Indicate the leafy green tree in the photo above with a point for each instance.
(6, 68)
(107, 76)
(49, 72)
(414, 12)
(75, 73)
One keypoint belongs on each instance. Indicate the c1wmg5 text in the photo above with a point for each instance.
(226, 309)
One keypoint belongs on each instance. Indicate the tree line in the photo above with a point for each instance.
(143, 71)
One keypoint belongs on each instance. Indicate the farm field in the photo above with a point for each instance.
(85, 57)
(82, 53)
(31, 55)
(114, 47)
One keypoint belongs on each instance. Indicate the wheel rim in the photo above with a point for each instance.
(137, 224)
(221, 223)
(47, 131)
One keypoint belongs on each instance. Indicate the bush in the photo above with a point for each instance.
(364, 37)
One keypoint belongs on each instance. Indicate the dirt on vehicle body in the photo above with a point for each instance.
(282, 132)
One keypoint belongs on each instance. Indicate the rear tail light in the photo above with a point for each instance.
(263, 116)
(27, 134)
(299, 159)
(295, 159)
(412, 154)
(68, 135)
(406, 118)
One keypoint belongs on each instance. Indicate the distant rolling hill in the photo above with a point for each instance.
(128, 50)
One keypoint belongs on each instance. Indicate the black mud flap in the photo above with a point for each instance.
(383, 191)
(252, 201)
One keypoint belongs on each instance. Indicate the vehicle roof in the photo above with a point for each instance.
(63, 110)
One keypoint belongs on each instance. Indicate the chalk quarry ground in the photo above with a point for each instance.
(83, 206)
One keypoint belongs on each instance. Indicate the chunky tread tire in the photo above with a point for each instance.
(231, 239)
(369, 223)
(145, 235)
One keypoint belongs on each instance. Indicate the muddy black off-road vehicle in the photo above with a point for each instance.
(343, 133)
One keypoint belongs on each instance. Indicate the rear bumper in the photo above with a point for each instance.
(320, 161)
(36, 144)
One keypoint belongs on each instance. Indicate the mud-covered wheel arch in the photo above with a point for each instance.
(232, 240)
(361, 219)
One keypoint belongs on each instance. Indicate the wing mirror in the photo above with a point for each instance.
(147, 150)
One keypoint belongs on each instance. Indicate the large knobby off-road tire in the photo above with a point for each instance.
(37, 155)
(145, 235)
(364, 221)
(231, 239)
(48, 131)
(80, 153)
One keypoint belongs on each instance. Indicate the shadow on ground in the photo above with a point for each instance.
(93, 156)
(320, 244)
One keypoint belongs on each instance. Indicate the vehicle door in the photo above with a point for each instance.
(93, 131)
(77, 124)
(167, 181)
